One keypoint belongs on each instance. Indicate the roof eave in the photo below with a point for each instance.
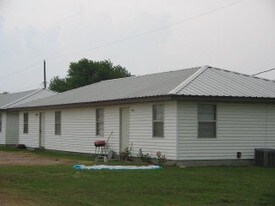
(99, 103)
(228, 99)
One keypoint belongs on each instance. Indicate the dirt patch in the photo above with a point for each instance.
(6, 199)
(26, 158)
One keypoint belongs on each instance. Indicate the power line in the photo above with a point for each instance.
(21, 70)
(129, 38)
(268, 70)
(35, 86)
(149, 31)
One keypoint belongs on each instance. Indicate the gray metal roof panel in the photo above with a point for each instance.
(14, 99)
(198, 81)
(38, 94)
(218, 82)
(6, 99)
(124, 88)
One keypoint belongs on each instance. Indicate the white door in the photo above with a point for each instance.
(42, 129)
(124, 127)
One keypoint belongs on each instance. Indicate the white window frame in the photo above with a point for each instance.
(57, 122)
(155, 121)
(99, 122)
(207, 121)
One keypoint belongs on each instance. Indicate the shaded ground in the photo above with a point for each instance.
(7, 199)
(26, 158)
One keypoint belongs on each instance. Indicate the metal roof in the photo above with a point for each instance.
(124, 88)
(197, 81)
(14, 99)
(224, 83)
(6, 99)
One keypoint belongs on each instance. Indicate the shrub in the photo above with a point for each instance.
(161, 159)
(127, 153)
(144, 157)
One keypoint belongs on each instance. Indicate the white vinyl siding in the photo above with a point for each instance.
(26, 123)
(79, 129)
(100, 122)
(241, 127)
(111, 124)
(30, 139)
(158, 120)
(141, 129)
(57, 124)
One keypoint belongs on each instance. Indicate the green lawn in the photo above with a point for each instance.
(62, 185)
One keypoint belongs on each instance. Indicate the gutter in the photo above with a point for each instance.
(98, 103)
(170, 97)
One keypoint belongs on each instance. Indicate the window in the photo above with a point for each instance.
(26, 123)
(158, 121)
(0, 122)
(100, 122)
(57, 129)
(206, 121)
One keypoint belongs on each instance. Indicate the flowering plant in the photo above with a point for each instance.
(161, 158)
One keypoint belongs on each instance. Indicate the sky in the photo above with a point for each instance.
(144, 36)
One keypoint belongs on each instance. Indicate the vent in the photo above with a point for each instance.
(265, 157)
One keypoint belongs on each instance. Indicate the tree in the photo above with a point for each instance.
(86, 72)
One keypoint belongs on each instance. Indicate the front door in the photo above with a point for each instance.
(42, 129)
(124, 127)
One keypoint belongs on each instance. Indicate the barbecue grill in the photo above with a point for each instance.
(100, 145)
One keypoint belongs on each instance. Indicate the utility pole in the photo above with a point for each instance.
(45, 81)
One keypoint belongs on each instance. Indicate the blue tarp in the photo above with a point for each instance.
(114, 167)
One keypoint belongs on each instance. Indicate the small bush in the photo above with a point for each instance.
(144, 157)
(127, 153)
(161, 159)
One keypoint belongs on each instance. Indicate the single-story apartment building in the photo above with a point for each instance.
(200, 113)
(9, 120)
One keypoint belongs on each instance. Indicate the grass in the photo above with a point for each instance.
(61, 185)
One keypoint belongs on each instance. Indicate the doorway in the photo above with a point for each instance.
(124, 127)
(41, 129)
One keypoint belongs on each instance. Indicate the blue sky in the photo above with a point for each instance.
(237, 37)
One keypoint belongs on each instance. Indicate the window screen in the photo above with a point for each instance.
(158, 121)
(100, 122)
(206, 121)
(57, 123)
(26, 123)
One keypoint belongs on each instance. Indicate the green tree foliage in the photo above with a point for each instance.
(86, 72)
